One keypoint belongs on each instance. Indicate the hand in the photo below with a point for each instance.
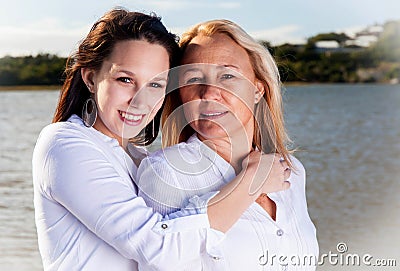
(269, 173)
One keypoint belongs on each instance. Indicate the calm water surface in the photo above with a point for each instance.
(348, 138)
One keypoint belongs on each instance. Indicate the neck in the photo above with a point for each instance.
(99, 126)
(232, 149)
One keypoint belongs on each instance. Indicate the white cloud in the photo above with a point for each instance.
(276, 36)
(46, 35)
(50, 36)
(280, 35)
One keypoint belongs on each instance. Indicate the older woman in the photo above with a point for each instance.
(228, 104)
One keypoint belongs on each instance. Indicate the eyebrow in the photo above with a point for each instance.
(191, 70)
(228, 66)
(125, 71)
(159, 79)
(219, 67)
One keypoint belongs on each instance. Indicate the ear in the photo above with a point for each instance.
(259, 91)
(87, 77)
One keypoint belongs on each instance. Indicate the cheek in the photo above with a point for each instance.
(246, 98)
(157, 107)
(155, 100)
(103, 102)
(246, 111)
(106, 98)
(188, 94)
(190, 111)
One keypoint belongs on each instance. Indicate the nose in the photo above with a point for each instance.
(139, 98)
(210, 92)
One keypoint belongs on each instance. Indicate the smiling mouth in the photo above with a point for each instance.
(212, 115)
(131, 119)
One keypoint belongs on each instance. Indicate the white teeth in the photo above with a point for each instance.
(131, 117)
(212, 114)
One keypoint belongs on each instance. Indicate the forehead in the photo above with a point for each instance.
(216, 49)
(137, 50)
(135, 55)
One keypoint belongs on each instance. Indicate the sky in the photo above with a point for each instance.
(57, 26)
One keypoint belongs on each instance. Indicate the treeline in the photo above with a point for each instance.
(43, 69)
(306, 63)
(377, 63)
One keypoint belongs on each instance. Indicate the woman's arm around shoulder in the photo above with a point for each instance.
(82, 177)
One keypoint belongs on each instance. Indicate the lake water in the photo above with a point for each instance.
(349, 142)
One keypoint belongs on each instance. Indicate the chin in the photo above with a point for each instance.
(212, 133)
(131, 135)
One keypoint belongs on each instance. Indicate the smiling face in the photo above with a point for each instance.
(218, 96)
(129, 88)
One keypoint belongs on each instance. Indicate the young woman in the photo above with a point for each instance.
(87, 211)
(228, 104)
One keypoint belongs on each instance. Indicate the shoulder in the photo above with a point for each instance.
(298, 175)
(163, 161)
(188, 151)
(70, 143)
(60, 151)
(172, 164)
(298, 166)
(62, 136)
(55, 133)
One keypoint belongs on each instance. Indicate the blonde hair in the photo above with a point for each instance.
(268, 113)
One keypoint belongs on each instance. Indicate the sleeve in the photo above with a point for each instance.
(161, 187)
(298, 181)
(298, 178)
(80, 177)
(159, 191)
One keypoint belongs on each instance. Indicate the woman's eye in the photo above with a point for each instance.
(194, 80)
(125, 80)
(155, 85)
(227, 76)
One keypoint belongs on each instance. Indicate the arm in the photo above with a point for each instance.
(262, 173)
(166, 189)
(75, 173)
(79, 176)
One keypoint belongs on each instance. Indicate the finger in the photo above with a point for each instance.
(287, 173)
(284, 164)
(278, 157)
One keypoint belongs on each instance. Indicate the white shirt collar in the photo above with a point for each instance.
(226, 169)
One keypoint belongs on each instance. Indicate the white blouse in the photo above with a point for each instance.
(256, 241)
(89, 217)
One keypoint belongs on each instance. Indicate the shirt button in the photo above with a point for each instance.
(279, 232)
(164, 226)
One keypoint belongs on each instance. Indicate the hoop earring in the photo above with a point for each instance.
(89, 112)
(152, 128)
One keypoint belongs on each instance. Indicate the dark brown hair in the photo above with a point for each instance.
(114, 26)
